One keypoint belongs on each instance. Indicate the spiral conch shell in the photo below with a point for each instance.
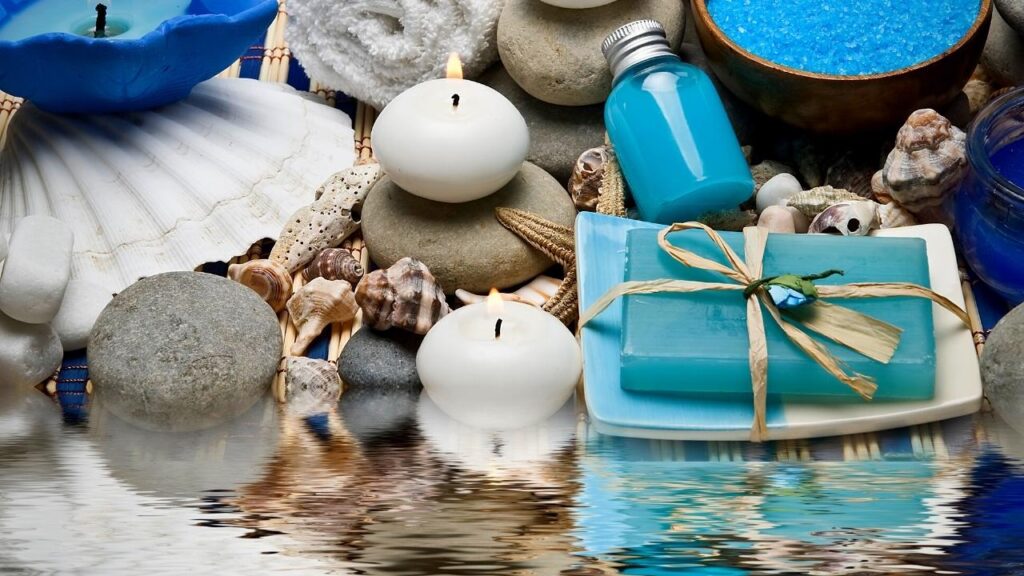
(406, 296)
(334, 264)
(928, 162)
(325, 223)
(317, 305)
(311, 386)
(856, 218)
(814, 201)
(267, 278)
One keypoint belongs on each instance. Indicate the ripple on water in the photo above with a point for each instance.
(272, 493)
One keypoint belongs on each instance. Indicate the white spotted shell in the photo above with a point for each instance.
(856, 218)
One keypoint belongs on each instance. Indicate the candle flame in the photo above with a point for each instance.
(454, 67)
(495, 303)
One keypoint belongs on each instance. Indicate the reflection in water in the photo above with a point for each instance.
(418, 493)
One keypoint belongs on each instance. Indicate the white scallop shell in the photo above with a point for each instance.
(172, 188)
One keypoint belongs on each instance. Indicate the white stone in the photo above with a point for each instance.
(800, 221)
(83, 302)
(37, 269)
(777, 190)
(29, 353)
(777, 219)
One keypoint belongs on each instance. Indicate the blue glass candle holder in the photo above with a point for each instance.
(134, 67)
(989, 206)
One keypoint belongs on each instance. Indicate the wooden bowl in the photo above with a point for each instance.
(841, 104)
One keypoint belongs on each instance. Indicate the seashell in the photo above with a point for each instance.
(814, 201)
(587, 174)
(405, 296)
(596, 183)
(174, 187)
(728, 220)
(777, 190)
(928, 162)
(856, 218)
(777, 219)
(267, 278)
(878, 189)
(331, 218)
(892, 215)
(849, 174)
(536, 292)
(764, 171)
(334, 264)
(317, 305)
(978, 92)
(311, 386)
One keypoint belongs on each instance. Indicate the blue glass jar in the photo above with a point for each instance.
(678, 151)
(989, 207)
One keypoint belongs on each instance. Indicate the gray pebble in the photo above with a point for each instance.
(1003, 57)
(555, 53)
(183, 351)
(464, 245)
(558, 134)
(1002, 367)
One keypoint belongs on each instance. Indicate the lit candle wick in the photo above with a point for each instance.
(455, 100)
(101, 21)
(497, 329)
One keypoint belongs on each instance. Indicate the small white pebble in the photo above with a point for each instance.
(777, 190)
(37, 269)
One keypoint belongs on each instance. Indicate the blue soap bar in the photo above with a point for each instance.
(697, 343)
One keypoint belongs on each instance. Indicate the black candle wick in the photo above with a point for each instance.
(455, 100)
(101, 21)
(497, 329)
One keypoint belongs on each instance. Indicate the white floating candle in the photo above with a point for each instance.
(499, 365)
(450, 139)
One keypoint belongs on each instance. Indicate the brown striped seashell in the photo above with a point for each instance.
(405, 296)
(334, 264)
(267, 278)
(847, 218)
(586, 178)
(311, 386)
(325, 223)
(318, 305)
(928, 162)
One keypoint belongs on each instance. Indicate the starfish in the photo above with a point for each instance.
(558, 243)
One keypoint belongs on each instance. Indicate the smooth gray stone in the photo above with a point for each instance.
(558, 134)
(183, 351)
(1002, 368)
(380, 361)
(1003, 57)
(381, 382)
(1012, 12)
(555, 53)
(464, 245)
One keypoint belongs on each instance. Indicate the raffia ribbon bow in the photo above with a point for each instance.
(865, 335)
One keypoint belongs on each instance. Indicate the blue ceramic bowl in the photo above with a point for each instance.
(69, 73)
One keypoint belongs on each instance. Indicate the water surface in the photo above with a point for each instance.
(409, 491)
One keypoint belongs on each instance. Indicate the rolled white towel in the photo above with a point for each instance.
(374, 49)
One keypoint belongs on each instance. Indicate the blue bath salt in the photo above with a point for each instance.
(845, 37)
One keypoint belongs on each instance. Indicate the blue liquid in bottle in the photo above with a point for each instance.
(671, 134)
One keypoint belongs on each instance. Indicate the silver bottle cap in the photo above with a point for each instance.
(633, 43)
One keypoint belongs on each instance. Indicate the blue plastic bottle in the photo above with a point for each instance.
(673, 139)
